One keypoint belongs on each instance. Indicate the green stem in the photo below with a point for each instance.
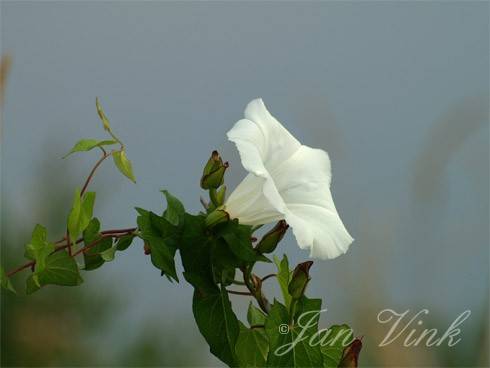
(292, 310)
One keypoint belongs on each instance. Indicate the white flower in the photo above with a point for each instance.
(286, 180)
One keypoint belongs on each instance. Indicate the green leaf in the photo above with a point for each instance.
(31, 285)
(124, 242)
(74, 216)
(102, 116)
(277, 317)
(61, 269)
(251, 347)
(88, 144)
(5, 281)
(93, 257)
(255, 316)
(223, 261)
(162, 256)
(195, 251)
(80, 214)
(290, 349)
(166, 230)
(217, 323)
(175, 209)
(283, 278)
(162, 238)
(39, 248)
(87, 210)
(239, 239)
(108, 254)
(333, 342)
(123, 164)
(91, 232)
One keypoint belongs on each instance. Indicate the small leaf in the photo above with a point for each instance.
(39, 248)
(102, 116)
(92, 257)
(5, 281)
(108, 254)
(283, 278)
(87, 210)
(61, 269)
(175, 209)
(89, 144)
(80, 214)
(31, 285)
(74, 216)
(124, 242)
(91, 232)
(123, 164)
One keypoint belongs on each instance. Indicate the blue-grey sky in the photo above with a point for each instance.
(396, 92)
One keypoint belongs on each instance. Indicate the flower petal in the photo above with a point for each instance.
(262, 143)
(286, 181)
(303, 181)
(249, 204)
(262, 132)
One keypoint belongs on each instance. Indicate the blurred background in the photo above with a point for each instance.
(397, 93)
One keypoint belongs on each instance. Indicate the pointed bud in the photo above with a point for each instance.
(216, 217)
(269, 241)
(350, 356)
(214, 171)
(299, 280)
(102, 116)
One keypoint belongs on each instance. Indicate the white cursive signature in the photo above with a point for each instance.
(413, 336)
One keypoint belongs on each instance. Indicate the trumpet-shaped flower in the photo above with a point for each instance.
(286, 180)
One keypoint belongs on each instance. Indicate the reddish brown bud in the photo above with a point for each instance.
(299, 279)
(269, 241)
(350, 355)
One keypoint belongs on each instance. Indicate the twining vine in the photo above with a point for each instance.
(213, 248)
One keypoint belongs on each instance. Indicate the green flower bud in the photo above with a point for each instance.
(350, 356)
(216, 217)
(299, 280)
(214, 172)
(220, 195)
(269, 241)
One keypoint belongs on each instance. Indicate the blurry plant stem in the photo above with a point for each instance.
(255, 290)
(92, 172)
(116, 233)
(84, 188)
(239, 292)
(268, 276)
(65, 242)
